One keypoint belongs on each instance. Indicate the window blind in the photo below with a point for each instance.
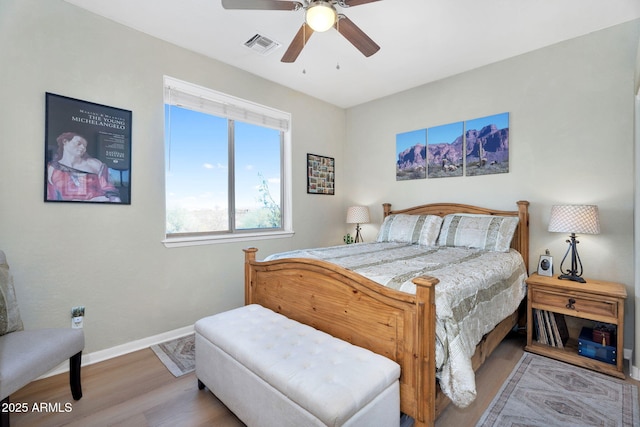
(198, 98)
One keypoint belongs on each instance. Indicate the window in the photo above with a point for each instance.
(227, 171)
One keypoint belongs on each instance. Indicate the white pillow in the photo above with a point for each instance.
(404, 228)
(489, 232)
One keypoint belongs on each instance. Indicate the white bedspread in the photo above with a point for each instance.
(477, 290)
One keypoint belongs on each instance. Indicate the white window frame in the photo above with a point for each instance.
(192, 96)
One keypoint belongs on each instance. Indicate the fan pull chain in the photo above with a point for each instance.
(304, 42)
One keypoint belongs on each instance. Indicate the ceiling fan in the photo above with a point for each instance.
(320, 15)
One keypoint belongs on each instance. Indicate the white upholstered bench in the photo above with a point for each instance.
(273, 371)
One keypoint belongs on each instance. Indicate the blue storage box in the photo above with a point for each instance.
(588, 348)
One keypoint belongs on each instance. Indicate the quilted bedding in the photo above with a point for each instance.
(477, 290)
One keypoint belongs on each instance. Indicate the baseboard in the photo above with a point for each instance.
(120, 350)
(634, 372)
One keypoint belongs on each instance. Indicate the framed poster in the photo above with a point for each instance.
(320, 174)
(87, 152)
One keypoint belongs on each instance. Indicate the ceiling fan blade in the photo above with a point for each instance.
(261, 4)
(350, 3)
(297, 44)
(356, 36)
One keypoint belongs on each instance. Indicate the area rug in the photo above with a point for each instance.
(545, 392)
(178, 355)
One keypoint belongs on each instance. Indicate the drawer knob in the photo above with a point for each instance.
(570, 305)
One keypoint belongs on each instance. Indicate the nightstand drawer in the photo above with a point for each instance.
(576, 304)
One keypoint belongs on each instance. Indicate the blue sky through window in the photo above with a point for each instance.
(197, 161)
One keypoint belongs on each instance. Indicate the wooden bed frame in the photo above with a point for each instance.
(396, 324)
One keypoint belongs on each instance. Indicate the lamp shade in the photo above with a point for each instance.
(579, 219)
(321, 15)
(358, 215)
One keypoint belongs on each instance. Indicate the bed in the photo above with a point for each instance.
(397, 322)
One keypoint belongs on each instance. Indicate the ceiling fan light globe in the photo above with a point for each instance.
(320, 16)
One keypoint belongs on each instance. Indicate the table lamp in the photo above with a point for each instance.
(581, 219)
(358, 215)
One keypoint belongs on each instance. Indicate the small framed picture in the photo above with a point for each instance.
(320, 174)
(545, 266)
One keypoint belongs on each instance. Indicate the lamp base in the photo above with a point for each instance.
(572, 277)
(358, 235)
(572, 274)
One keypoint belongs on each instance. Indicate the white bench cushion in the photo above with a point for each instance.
(330, 378)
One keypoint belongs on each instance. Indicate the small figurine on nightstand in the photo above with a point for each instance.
(348, 239)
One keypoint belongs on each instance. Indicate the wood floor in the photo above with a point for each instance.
(137, 390)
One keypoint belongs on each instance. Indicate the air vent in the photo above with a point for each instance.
(261, 44)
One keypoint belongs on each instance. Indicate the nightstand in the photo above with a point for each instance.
(594, 301)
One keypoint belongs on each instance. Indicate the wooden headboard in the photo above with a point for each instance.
(520, 240)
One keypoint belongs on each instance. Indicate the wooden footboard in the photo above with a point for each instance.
(396, 324)
(346, 305)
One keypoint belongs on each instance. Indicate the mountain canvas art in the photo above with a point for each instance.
(445, 150)
(411, 155)
(471, 148)
(487, 145)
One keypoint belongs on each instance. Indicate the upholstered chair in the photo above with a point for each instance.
(25, 355)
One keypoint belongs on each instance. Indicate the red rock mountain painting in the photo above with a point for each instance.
(477, 147)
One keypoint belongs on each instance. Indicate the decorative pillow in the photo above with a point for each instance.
(489, 232)
(9, 314)
(404, 228)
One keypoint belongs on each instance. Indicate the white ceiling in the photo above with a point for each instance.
(420, 40)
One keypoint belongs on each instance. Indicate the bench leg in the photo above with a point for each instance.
(4, 415)
(74, 375)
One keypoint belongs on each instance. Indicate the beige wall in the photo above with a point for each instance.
(571, 111)
(108, 257)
